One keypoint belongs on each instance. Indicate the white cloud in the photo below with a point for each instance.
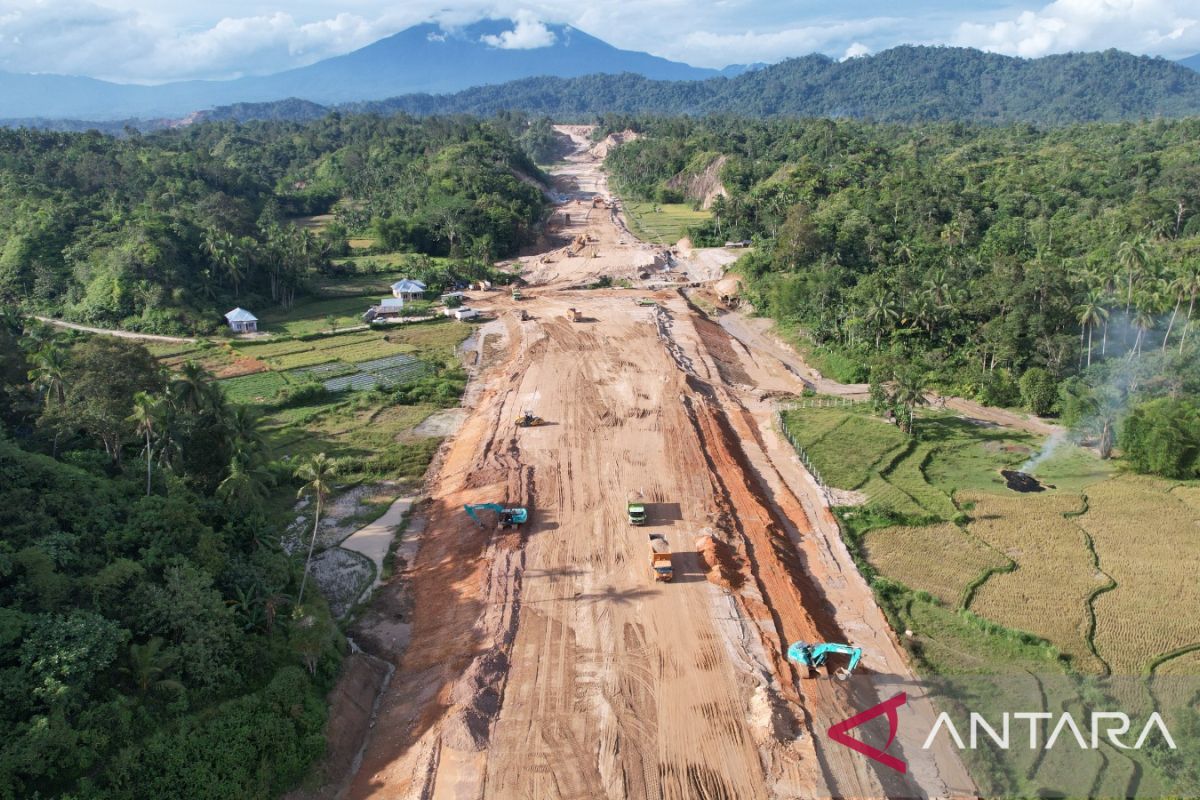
(154, 40)
(855, 50)
(719, 49)
(83, 38)
(1167, 27)
(529, 33)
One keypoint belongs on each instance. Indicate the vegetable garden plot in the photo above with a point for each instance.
(392, 371)
(257, 388)
(330, 369)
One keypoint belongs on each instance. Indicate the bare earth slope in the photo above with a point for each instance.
(548, 663)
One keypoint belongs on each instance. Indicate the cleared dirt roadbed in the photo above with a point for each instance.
(548, 662)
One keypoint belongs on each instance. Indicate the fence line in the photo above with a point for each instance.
(800, 451)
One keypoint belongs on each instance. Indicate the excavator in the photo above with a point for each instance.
(813, 656)
(505, 517)
(529, 420)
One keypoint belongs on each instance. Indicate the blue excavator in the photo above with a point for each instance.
(505, 517)
(813, 656)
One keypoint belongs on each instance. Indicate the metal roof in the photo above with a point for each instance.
(391, 302)
(407, 285)
(240, 315)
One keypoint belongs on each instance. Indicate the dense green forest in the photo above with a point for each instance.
(1057, 269)
(904, 84)
(154, 643)
(165, 232)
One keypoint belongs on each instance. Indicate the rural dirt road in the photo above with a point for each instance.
(547, 662)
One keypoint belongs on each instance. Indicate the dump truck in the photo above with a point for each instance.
(574, 315)
(516, 294)
(660, 558)
(645, 301)
(636, 512)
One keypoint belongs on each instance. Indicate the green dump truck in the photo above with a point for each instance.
(637, 513)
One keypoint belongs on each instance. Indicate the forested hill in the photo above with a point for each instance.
(164, 233)
(905, 84)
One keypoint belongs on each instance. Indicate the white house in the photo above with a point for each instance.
(241, 321)
(408, 290)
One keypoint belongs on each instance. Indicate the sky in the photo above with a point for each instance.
(152, 41)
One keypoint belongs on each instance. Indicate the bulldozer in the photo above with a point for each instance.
(812, 656)
(529, 420)
(512, 517)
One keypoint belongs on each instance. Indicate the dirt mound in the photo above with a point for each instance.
(724, 567)
(611, 141)
(477, 697)
(728, 287)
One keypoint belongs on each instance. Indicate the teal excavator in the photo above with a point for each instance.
(813, 656)
(506, 517)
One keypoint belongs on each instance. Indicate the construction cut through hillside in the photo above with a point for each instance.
(546, 661)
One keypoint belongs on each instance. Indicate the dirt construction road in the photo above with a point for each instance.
(548, 663)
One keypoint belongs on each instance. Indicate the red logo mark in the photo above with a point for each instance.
(888, 707)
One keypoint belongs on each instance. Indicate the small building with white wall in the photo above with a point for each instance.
(407, 289)
(242, 321)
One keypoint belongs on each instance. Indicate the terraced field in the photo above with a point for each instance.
(943, 560)
(662, 223)
(1055, 576)
(1146, 539)
(355, 360)
(1022, 561)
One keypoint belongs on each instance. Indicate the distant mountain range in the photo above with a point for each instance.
(424, 58)
(429, 69)
(905, 84)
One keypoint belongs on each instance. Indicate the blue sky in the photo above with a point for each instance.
(157, 40)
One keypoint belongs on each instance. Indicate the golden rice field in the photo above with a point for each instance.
(1047, 594)
(939, 559)
(1148, 539)
(1186, 664)
(1189, 495)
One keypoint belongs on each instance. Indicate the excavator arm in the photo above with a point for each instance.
(505, 516)
(471, 509)
(814, 655)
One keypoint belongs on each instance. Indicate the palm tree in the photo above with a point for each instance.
(147, 410)
(147, 664)
(1143, 320)
(245, 486)
(1091, 313)
(1133, 256)
(1189, 285)
(1173, 288)
(188, 388)
(909, 391)
(49, 372)
(881, 313)
(317, 473)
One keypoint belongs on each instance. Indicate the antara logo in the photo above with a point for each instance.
(1112, 724)
(888, 707)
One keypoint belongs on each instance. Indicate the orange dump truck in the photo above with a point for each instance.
(660, 558)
